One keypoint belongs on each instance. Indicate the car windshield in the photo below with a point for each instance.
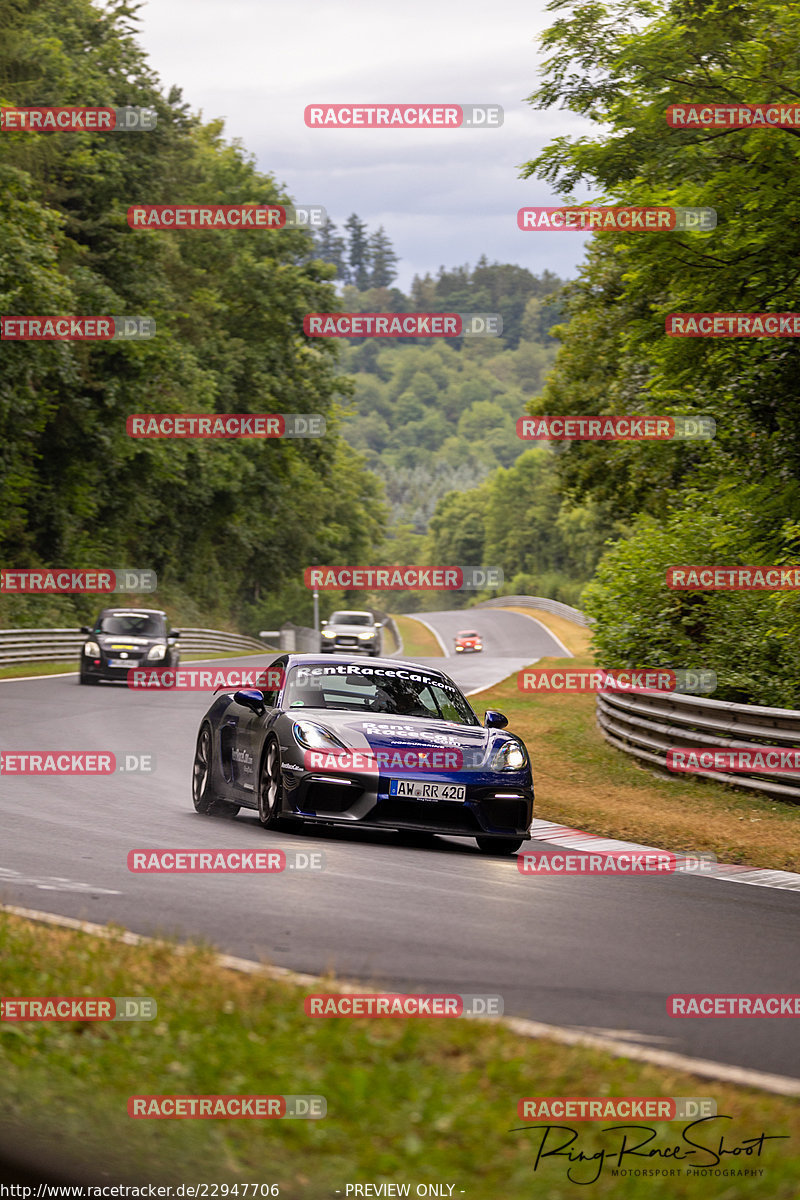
(131, 624)
(468, 633)
(401, 691)
(351, 618)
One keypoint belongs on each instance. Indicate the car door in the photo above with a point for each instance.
(249, 732)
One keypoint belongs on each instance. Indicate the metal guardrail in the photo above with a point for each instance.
(64, 645)
(647, 726)
(552, 606)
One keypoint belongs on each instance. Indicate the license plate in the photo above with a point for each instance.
(120, 662)
(416, 790)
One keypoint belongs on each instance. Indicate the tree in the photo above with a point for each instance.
(382, 259)
(358, 260)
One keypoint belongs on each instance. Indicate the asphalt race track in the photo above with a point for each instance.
(597, 953)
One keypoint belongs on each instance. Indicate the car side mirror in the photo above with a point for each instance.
(175, 633)
(494, 719)
(323, 622)
(85, 629)
(252, 698)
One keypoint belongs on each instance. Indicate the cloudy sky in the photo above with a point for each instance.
(444, 196)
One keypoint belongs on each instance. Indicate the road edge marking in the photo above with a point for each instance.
(781, 1085)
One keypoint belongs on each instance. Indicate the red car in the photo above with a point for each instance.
(468, 639)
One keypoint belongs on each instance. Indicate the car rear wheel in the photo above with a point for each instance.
(204, 799)
(270, 787)
(498, 845)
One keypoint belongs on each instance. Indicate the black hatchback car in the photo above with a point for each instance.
(123, 638)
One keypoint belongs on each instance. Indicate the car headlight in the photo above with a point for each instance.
(510, 757)
(315, 737)
(156, 653)
(91, 650)
(365, 637)
(328, 633)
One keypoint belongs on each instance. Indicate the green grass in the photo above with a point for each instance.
(408, 1100)
(418, 641)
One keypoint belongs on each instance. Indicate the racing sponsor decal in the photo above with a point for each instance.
(75, 762)
(645, 862)
(214, 1107)
(616, 429)
(199, 861)
(69, 580)
(396, 1004)
(227, 216)
(741, 1004)
(308, 676)
(391, 579)
(769, 759)
(616, 679)
(225, 425)
(403, 324)
(734, 579)
(76, 329)
(373, 762)
(48, 119)
(403, 116)
(732, 325)
(733, 116)
(615, 1108)
(613, 218)
(191, 679)
(77, 1008)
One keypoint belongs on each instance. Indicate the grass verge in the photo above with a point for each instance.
(582, 781)
(418, 641)
(411, 1101)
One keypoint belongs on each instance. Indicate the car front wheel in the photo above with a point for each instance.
(500, 846)
(270, 787)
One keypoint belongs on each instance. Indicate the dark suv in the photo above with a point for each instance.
(123, 638)
(351, 630)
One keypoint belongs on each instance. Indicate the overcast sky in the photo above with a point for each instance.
(444, 196)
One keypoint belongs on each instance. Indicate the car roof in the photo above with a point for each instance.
(139, 612)
(356, 612)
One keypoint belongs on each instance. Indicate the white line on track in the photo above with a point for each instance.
(430, 629)
(781, 1085)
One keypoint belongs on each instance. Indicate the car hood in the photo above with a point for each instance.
(123, 640)
(384, 730)
(349, 629)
